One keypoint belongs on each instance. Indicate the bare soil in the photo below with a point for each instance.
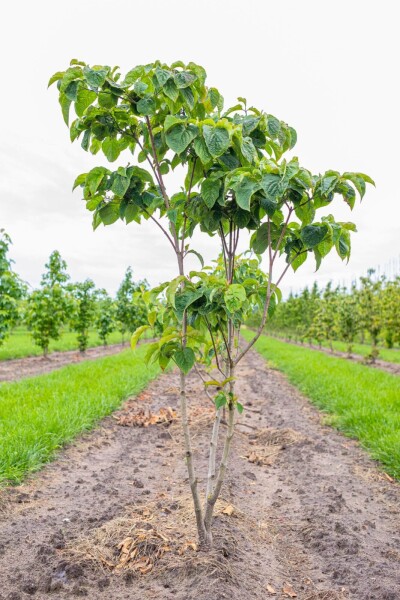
(18, 368)
(305, 513)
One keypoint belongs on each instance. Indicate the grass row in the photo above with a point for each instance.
(363, 403)
(388, 354)
(20, 343)
(40, 414)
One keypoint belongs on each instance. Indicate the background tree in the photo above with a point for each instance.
(84, 311)
(370, 310)
(48, 308)
(105, 316)
(234, 179)
(130, 309)
(347, 318)
(12, 289)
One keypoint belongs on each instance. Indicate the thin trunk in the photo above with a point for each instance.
(213, 455)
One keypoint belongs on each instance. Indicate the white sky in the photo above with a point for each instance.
(330, 69)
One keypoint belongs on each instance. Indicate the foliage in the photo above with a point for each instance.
(84, 311)
(12, 289)
(234, 178)
(130, 309)
(369, 310)
(106, 316)
(47, 308)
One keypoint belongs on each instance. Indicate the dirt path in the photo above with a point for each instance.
(12, 370)
(311, 513)
(384, 365)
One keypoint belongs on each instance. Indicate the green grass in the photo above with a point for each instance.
(20, 343)
(363, 403)
(40, 414)
(388, 354)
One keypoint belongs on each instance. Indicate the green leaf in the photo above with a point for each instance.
(312, 235)
(220, 400)
(120, 185)
(80, 180)
(86, 139)
(56, 77)
(137, 334)
(94, 178)
(234, 297)
(84, 99)
(299, 260)
(107, 100)
(183, 79)
(170, 121)
(95, 78)
(199, 256)
(247, 149)
(270, 183)
(239, 407)
(171, 90)
(179, 137)
(217, 139)
(201, 150)
(146, 106)
(111, 149)
(343, 244)
(244, 189)
(185, 299)
(172, 288)
(259, 241)
(185, 359)
(162, 75)
(109, 214)
(188, 97)
(210, 189)
(65, 103)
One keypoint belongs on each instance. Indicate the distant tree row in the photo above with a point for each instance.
(58, 303)
(367, 312)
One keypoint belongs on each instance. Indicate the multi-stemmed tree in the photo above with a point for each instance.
(234, 180)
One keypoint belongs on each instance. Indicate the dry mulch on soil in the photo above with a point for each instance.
(304, 512)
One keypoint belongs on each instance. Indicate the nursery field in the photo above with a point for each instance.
(298, 501)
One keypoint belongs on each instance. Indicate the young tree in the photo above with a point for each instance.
(390, 300)
(84, 311)
(12, 289)
(370, 310)
(130, 309)
(347, 318)
(234, 179)
(106, 313)
(48, 308)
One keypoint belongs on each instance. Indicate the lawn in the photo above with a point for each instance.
(40, 414)
(20, 343)
(362, 402)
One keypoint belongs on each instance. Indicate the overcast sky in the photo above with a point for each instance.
(330, 69)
